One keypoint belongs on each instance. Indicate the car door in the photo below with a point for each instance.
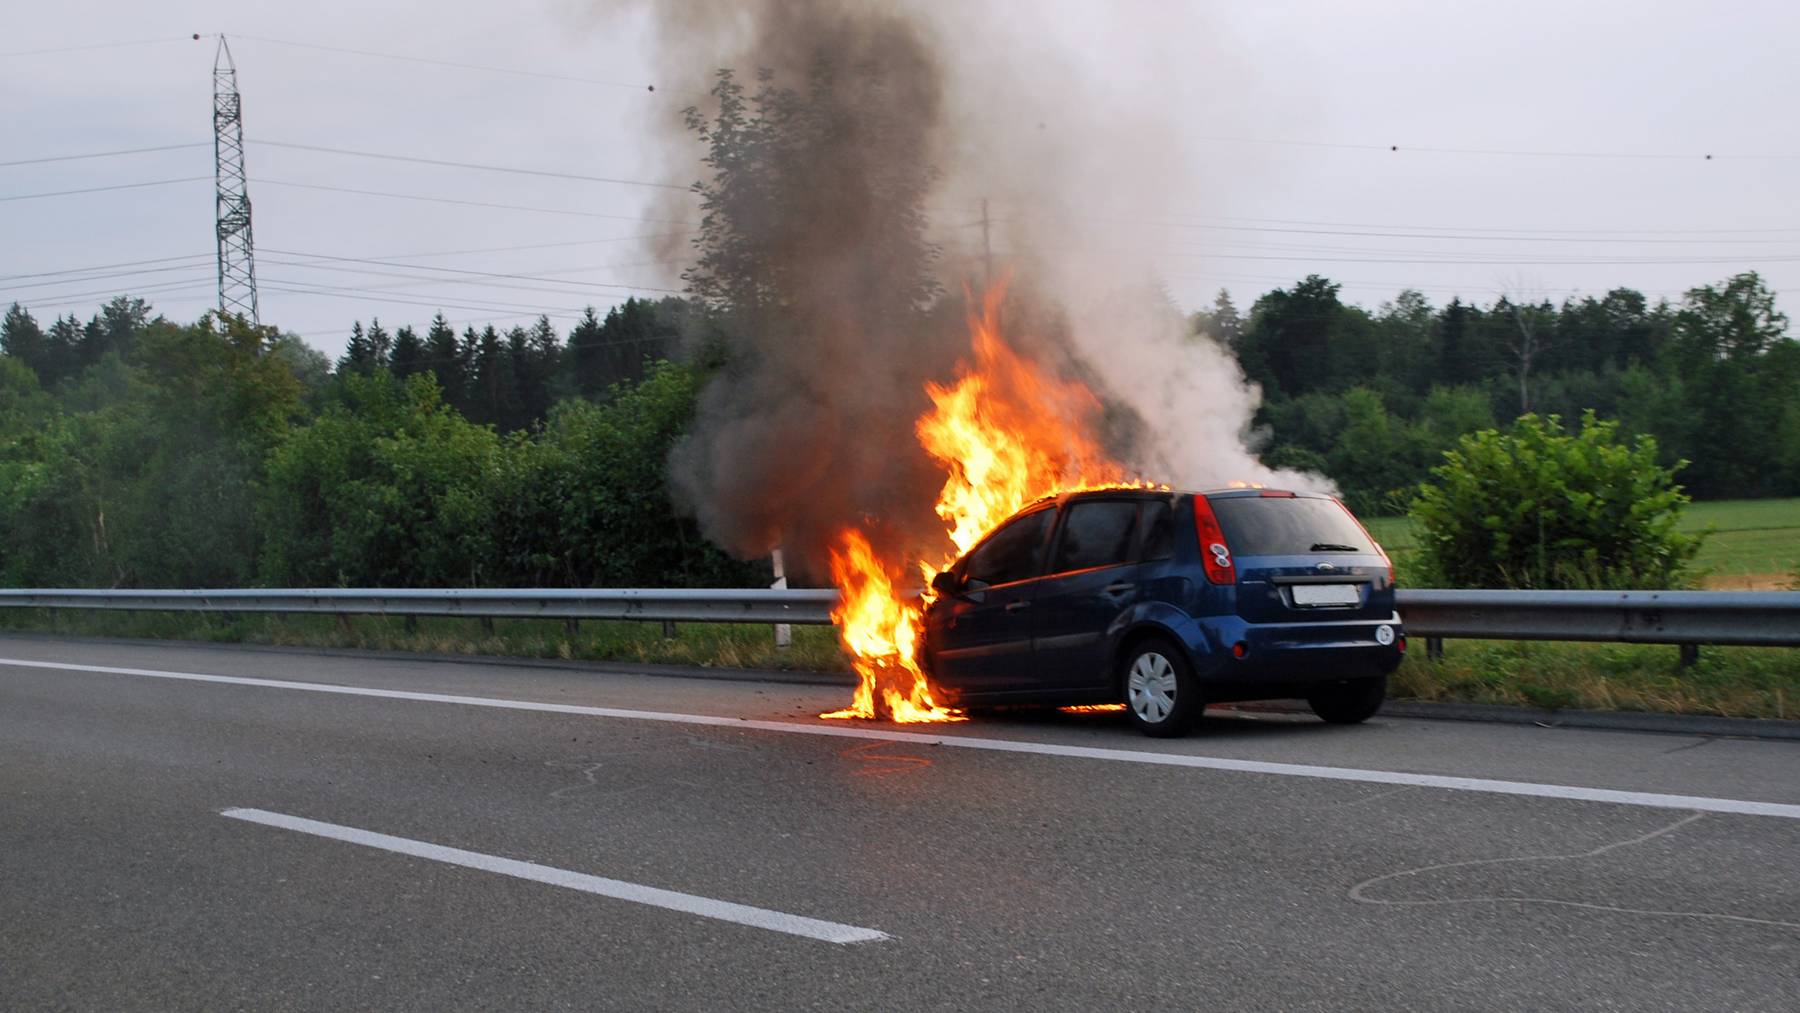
(980, 636)
(1092, 580)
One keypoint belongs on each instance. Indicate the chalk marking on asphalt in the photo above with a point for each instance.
(1653, 800)
(687, 903)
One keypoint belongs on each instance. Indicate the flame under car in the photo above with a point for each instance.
(1168, 602)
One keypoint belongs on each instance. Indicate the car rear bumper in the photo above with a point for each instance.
(1300, 653)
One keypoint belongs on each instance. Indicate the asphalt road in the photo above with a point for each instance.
(682, 858)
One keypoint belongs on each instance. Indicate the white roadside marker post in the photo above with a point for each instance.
(784, 634)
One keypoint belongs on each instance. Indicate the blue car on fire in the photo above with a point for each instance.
(1166, 602)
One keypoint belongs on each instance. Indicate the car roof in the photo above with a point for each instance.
(1231, 492)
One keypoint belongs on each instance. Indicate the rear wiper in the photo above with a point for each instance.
(1333, 547)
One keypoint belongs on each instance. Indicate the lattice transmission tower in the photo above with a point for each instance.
(237, 252)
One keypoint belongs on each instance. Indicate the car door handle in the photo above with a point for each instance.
(1014, 606)
(1119, 588)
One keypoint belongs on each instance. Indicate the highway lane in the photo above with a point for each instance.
(998, 879)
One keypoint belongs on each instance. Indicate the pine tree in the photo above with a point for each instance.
(23, 339)
(495, 389)
(359, 354)
(584, 356)
(445, 359)
(534, 364)
(381, 344)
(62, 350)
(408, 356)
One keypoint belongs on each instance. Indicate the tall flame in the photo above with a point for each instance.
(1009, 434)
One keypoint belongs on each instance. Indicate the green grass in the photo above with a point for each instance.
(721, 645)
(1755, 543)
(1747, 682)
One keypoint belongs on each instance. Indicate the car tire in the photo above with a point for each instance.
(1161, 694)
(1350, 701)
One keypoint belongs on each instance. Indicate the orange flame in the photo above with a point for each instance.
(1009, 434)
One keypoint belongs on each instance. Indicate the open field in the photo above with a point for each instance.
(1755, 544)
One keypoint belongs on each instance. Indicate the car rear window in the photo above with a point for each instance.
(1288, 526)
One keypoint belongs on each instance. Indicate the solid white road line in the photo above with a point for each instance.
(705, 907)
(1654, 800)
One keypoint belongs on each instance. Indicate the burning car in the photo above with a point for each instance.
(1168, 602)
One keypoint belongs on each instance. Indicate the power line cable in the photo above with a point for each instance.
(108, 267)
(105, 154)
(444, 63)
(100, 45)
(414, 280)
(472, 273)
(1421, 234)
(103, 189)
(466, 165)
(286, 287)
(471, 203)
(1695, 156)
(82, 279)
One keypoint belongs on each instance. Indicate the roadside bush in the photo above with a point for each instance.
(1537, 507)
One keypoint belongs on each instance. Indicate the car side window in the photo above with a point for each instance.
(1096, 533)
(1015, 552)
(1158, 521)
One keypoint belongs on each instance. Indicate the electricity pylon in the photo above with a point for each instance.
(237, 252)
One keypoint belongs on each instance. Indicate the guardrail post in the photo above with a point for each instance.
(1434, 648)
(668, 629)
(1690, 655)
(572, 627)
(487, 625)
(411, 625)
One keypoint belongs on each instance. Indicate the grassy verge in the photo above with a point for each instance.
(1745, 682)
(1731, 682)
(815, 648)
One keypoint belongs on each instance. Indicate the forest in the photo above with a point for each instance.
(139, 451)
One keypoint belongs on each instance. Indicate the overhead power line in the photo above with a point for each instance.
(105, 154)
(445, 63)
(470, 203)
(466, 165)
(1407, 149)
(106, 267)
(103, 189)
(472, 273)
(101, 45)
(109, 276)
(1369, 233)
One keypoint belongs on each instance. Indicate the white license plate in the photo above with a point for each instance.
(1326, 594)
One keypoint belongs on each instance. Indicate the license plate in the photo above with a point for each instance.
(1326, 594)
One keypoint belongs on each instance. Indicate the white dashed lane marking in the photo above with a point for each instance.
(687, 903)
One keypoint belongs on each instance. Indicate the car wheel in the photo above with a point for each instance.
(1161, 694)
(1350, 701)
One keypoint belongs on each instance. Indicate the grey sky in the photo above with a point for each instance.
(1642, 78)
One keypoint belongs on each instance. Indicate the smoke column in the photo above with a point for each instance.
(810, 424)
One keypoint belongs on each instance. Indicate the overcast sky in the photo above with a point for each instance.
(1292, 106)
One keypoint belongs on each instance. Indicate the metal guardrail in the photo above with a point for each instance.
(1747, 618)
(678, 605)
(1757, 618)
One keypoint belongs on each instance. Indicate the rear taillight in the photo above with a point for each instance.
(1372, 541)
(1214, 552)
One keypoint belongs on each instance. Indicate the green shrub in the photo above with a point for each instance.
(1536, 507)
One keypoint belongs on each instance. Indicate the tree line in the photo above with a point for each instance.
(139, 451)
(136, 451)
(1374, 399)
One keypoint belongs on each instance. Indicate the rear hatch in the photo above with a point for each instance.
(1302, 557)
